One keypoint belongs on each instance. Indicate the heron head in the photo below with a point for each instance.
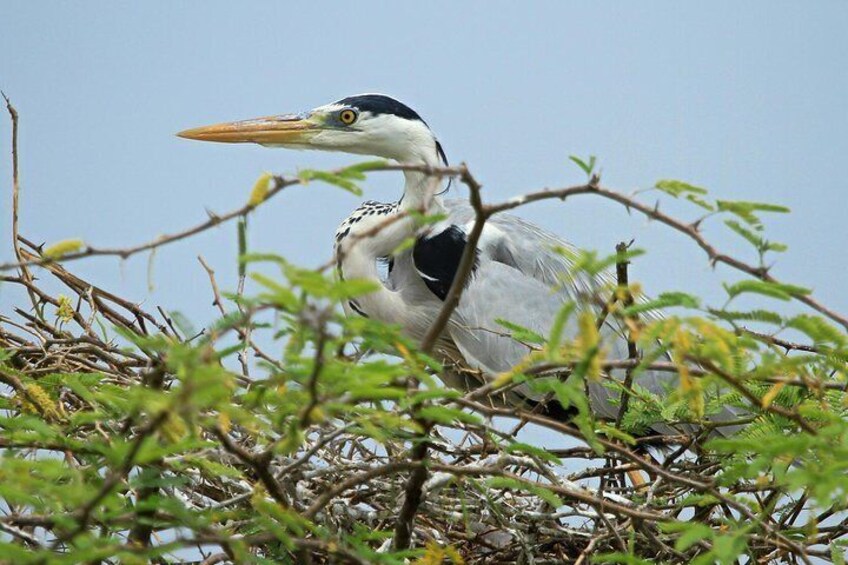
(365, 124)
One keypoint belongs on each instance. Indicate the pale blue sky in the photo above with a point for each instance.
(748, 100)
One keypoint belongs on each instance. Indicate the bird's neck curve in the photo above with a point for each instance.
(420, 192)
(372, 232)
(420, 189)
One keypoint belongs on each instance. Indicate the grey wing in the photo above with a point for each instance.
(500, 292)
(521, 278)
(531, 250)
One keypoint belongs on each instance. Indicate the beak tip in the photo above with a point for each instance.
(186, 134)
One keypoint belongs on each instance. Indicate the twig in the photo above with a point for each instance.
(623, 286)
(279, 183)
(466, 263)
(259, 463)
(113, 478)
(686, 229)
(243, 335)
(16, 193)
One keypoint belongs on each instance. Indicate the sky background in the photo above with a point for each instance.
(748, 100)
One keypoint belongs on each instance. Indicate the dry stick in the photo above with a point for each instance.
(632, 352)
(258, 462)
(690, 230)
(143, 528)
(279, 183)
(112, 479)
(782, 343)
(663, 366)
(218, 302)
(306, 417)
(80, 286)
(751, 397)
(16, 193)
(414, 487)
(466, 263)
(214, 220)
(623, 288)
(646, 464)
(579, 495)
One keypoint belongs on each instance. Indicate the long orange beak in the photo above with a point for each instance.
(286, 129)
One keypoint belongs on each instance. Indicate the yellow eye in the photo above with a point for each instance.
(347, 117)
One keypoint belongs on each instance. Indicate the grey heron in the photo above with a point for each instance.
(518, 275)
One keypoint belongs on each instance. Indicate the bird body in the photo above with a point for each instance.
(517, 277)
(520, 274)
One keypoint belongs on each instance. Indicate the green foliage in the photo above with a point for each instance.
(780, 291)
(285, 428)
(690, 192)
(587, 167)
(746, 211)
(343, 178)
(62, 248)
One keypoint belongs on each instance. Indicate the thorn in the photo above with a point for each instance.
(595, 180)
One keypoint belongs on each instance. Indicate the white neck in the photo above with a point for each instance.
(358, 258)
(409, 142)
(420, 192)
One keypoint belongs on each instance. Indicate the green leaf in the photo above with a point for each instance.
(587, 168)
(690, 533)
(544, 455)
(520, 333)
(819, 330)
(727, 548)
(695, 199)
(62, 248)
(278, 294)
(241, 231)
(558, 326)
(509, 483)
(366, 166)
(340, 180)
(762, 245)
(183, 323)
(764, 316)
(615, 433)
(260, 189)
(676, 188)
(837, 553)
(664, 300)
(447, 416)
(780, 291)
(746, 210)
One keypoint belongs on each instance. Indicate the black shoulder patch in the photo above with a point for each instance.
(437, 259)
